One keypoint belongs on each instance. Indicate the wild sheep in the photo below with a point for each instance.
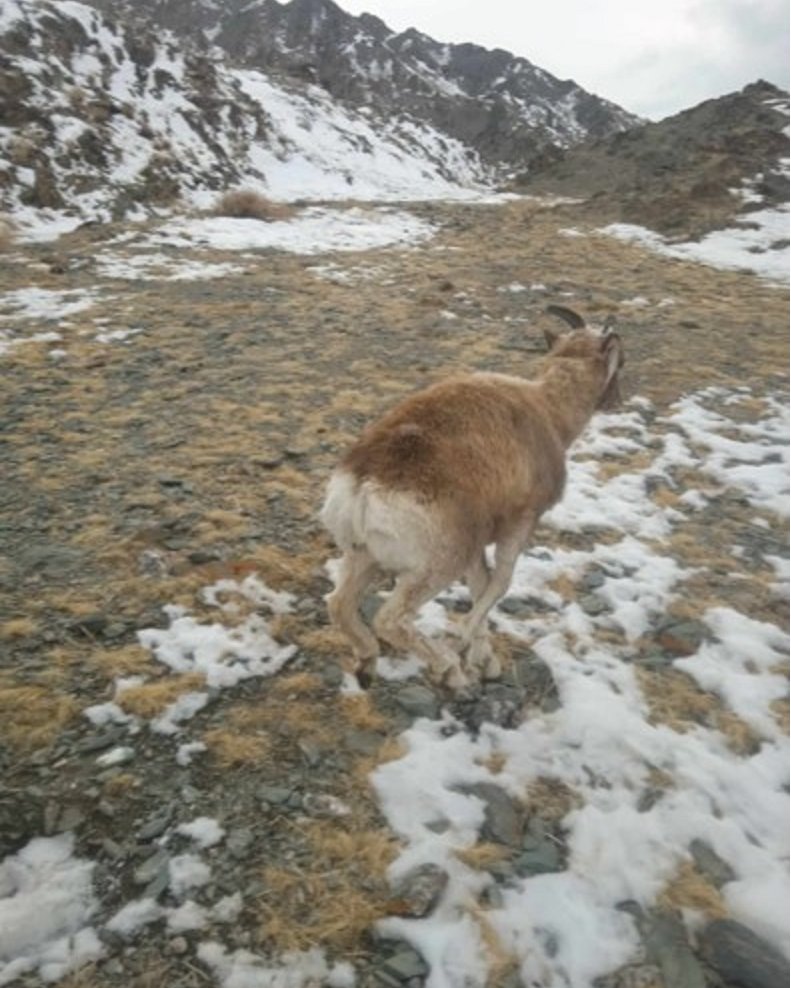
(470, 461)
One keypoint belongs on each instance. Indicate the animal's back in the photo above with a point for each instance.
(469, 440)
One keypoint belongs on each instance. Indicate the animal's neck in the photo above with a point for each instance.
(571, 388)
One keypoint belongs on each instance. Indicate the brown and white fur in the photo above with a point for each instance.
(470, 461)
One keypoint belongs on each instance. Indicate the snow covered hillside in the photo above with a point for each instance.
(103, 121)
(503, 106)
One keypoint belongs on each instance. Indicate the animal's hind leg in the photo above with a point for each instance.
(358, 569)
(506, 553)
(480, 658)
(395, 625)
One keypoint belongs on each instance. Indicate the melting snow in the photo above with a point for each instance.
(759, 244)
(297, 969)
(46, 900)
(205, 831)
(565, 927)
(313, 231)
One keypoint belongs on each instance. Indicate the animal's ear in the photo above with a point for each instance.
(552, 336)
(611, 349)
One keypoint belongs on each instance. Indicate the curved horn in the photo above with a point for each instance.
(568, 316)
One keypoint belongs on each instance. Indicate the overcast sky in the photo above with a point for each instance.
(653, 57)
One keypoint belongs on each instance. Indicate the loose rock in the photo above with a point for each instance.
(419, 891)
(418, 701)
(742, 957)
(503, 822)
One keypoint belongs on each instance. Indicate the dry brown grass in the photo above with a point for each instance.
(21, 627)
(551, 799)
(121, 784)
(307, 719)
(607, 469)
(366, 853)
(688, 889)
(779, 710)
(665, 497)
(126, 660)
(695, 551)
(277, 568)
(482, 856)
(358, 709)
(32, 716)
(324, 641)
(302, 908)
(251, 205)
(231, 749)
(740, 737)
(495, 762)
(658, 778)
(565, 585)
(150, 699)
(7, 233)
(674, 699)
(297, 684)
(502, 961)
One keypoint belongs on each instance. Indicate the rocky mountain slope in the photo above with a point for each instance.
(503, 106)
(102, 117)
(687, 174)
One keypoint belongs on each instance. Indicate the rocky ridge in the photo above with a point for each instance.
(501, 105)
(687, 174)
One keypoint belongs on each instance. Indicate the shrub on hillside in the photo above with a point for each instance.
(249, 204)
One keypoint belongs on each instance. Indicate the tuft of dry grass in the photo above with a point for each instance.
(482, 856)
(323, 641)
(120, 785)
(551, 799)
(7, 233)
(21, 627)
(124, 661)
(358, 710)
(309, 719)
(251, 205)
(231, 749)
(779, 710)
(502, 961)
(297, 684)
(675, 699)
(300, 909)
(32, 716)
(495, 762)
(740, 737)
(364, 853)
(688, 889)
(150, 699)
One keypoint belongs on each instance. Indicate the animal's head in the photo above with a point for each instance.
(599, 344)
